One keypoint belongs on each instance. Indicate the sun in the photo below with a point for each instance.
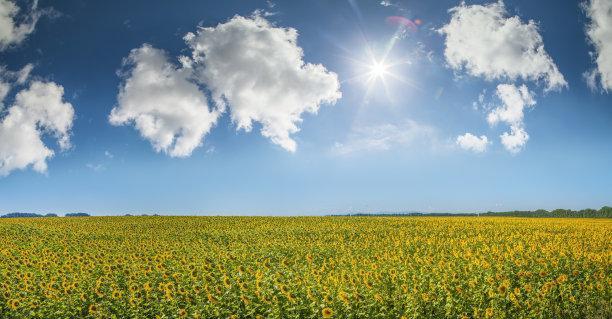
(377, 72)
(378, 69)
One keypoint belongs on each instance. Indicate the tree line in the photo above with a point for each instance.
(604, 212)
(34, 215)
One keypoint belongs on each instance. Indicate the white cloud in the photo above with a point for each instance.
(163, 103)
(515, 140)
(19, 77)
(480, 102)
(95, 167)
(473, 143)
(264, 13)
(385, 137)
(250, 67)
(514, 101)
(599, 32)
(24, 74)
(257, 71)
(8, 79)
(12, 30)
(38, 110)
(486, 42)
(4, 90)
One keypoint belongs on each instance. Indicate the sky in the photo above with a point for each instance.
(304, 107)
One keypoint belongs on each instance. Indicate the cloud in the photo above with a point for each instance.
(9, 78)
(514, 101)
(473, 143)
(24, 74)
(37, 111)
(385, 137)
(19, 77)
(515, 140)
(95, 167)
(599, 32)
(14, 28)
(4, 90)
(101, 164)
(248, 66)
(486, 42)
(163, 103)
(257, 71)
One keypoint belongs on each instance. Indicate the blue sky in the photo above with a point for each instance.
(389, 143)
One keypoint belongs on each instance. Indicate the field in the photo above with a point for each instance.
(305, 267)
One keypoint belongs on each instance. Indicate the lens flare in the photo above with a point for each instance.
(378, 69)
(404, 22)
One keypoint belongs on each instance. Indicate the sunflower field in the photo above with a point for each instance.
(305, 267)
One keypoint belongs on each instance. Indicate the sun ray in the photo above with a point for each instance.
(376, 69)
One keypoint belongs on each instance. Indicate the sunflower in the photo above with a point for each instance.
(133, 301)
(14, 304)
(291, 297)
(343, 296)
(283, 289)
(327, 312)
(116, 294)
(168, 294)
(197, 289)
(227, 282)
(92, 308)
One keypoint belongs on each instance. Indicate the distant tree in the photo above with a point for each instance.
(587, 212)
(605, 211)
(20, 215)
(26, 215)
(77, 215)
